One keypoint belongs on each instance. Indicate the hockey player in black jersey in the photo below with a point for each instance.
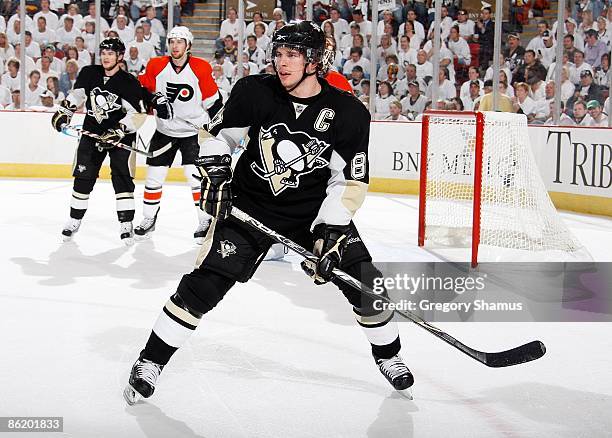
(304, 173)
(113, 102)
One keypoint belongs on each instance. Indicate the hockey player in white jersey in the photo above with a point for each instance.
(185, 95)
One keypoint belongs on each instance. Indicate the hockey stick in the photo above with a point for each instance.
(515, 356)
(263, 174)
(67, 128)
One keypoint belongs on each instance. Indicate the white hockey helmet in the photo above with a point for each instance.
(180, 32)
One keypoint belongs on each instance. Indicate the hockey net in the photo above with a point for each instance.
(480, 185)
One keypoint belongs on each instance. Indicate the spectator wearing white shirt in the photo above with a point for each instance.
(263, 41)
(89, 35)
(522, 102)
(550, 75)
(32, 48)
(571, 25)
(538, 41)
(473, 75)
(355, 58)
(67, 33)
(356, 80)
(34, 89)
(123, 10)
(255, 54)
(446, 88)
(598, 118)
(92, 17)
(145, 49)
(42, 34)
(383, 98)
(277, 15)
(474, 92)
(406, 54)
(228, 67)
(564, 119)
(157, 27)
(150, 36)
(56, 64)
(6, 49)
(2, 24)
(395, 112)
(126, 34)
(134, 63)
(77, 19)
(579, 67)
(5, 96)
(73, 53)
(29, 64)
(50, 17)
(346, 42)
(424, 68)
(580, 115)
(84, 55)
(365, 26)
(419, 30)
(220, 78)
(13, 33)
(341, 26)
(445, 25)
(414, 103)
(15, 17)
(257, 18)
(465, 25)
(229, 26)
(15, 104)
(53, 87)
(547, 54)
(10, 79)
(459, 47)
(46, 71)
(604, 31)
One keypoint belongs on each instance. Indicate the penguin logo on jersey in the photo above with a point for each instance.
(227, 248)
(182, 92)
(102, 104)
(286, 156)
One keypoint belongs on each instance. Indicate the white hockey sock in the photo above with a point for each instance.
(79, 201)
(379, 329)
(175, 325)
(156, 175)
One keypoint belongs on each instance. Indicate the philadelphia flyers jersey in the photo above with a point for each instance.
(109, 100)
(187, 89)
(306, 160)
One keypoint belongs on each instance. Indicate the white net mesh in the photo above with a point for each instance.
(516, 211)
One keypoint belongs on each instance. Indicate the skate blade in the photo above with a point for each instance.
(131, 396)
(199, 240)
(139, 238)
(128, 241)
(66, 239)
(406, 393)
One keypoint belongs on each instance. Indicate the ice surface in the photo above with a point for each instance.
(278, 357)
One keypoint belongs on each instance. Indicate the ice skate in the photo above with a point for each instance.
(200, 232)
(71, 227)
(397, 374)
(276, 252)
(145, 229)
(142, 381)
(126, 232)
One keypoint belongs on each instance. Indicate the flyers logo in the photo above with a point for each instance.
(182, 92)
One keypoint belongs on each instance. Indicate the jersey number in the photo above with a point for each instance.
(358, 166)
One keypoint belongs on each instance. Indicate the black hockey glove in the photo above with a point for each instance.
(111, 136)
(329, 244)
(216, 187)
(63, 115)
(162, 106)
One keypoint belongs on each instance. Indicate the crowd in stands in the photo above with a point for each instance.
(60, 41)
(404, 48)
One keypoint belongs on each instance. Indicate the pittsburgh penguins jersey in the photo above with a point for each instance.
(109, 100)
(190, 89)
(306, 159)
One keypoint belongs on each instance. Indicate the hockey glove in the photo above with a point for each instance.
(329, 244)
(63, 115)
(111, 136)
(162, 106)
(216, 190)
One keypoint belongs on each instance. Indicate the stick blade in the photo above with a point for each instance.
(521, 354)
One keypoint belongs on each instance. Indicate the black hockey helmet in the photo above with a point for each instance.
(114, 44)
(305, 36)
